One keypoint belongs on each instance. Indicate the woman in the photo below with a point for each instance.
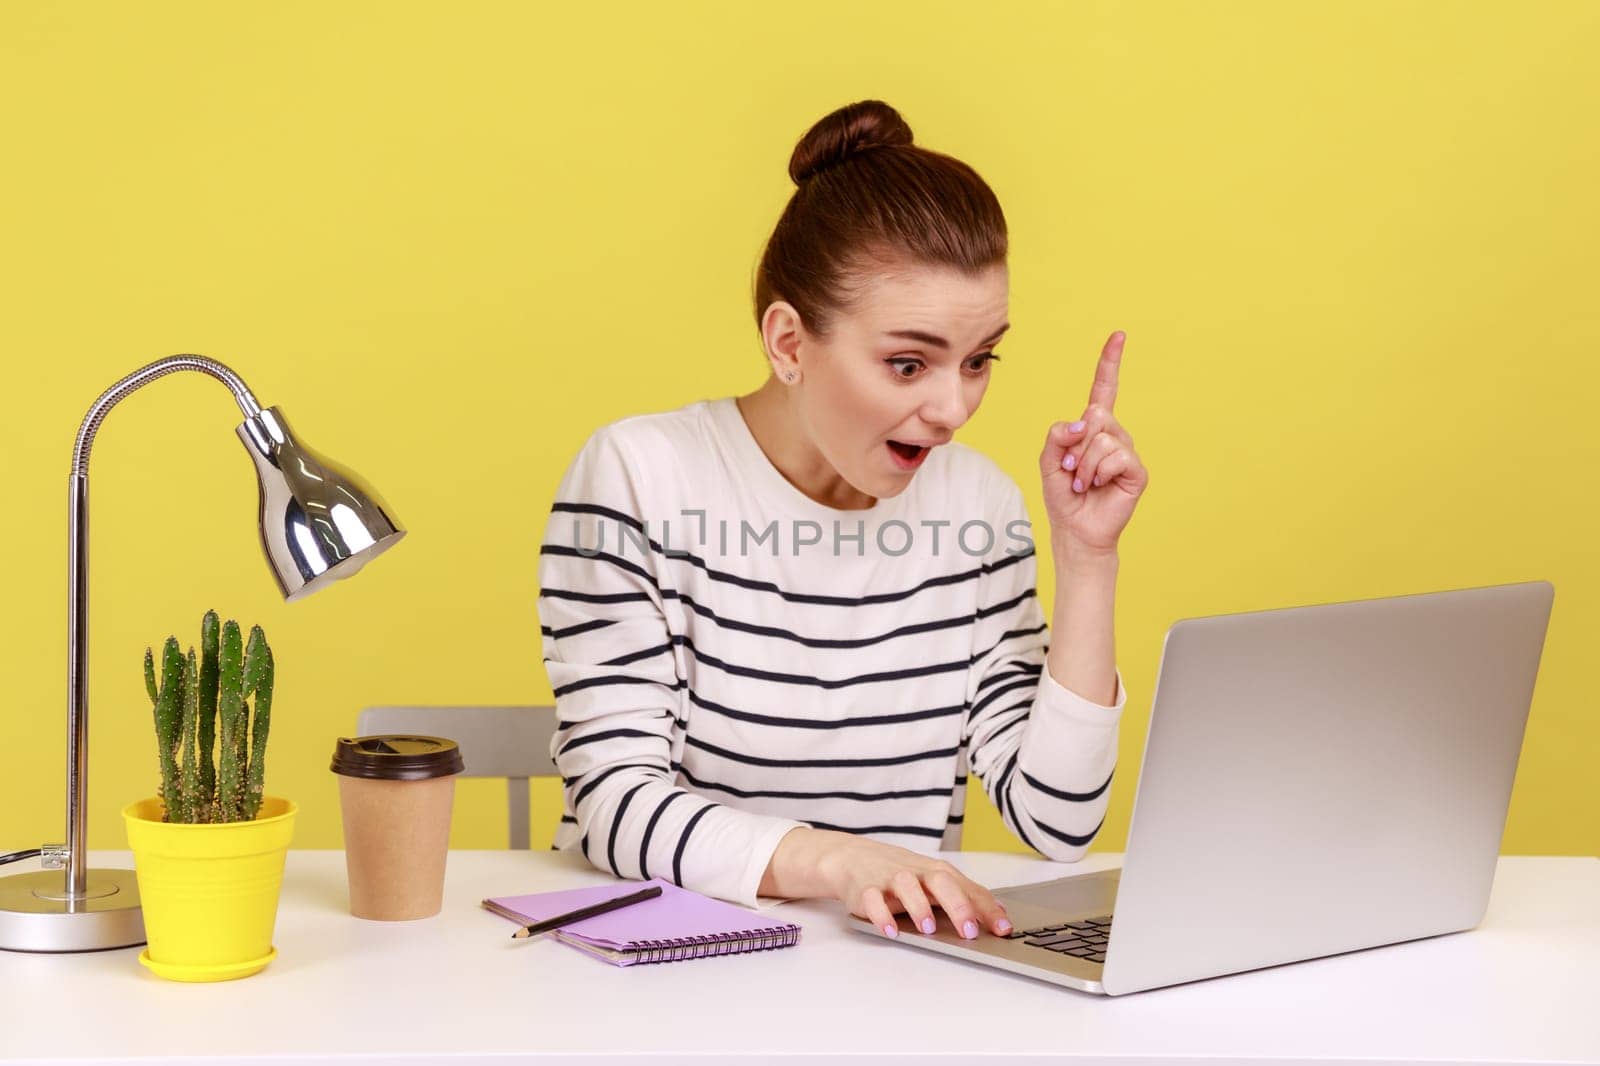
(781, 628)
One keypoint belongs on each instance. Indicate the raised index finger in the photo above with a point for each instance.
(1104, 389)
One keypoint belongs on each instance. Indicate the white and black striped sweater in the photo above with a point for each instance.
(731, 659)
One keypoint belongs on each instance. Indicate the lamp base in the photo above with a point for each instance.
(34, 915)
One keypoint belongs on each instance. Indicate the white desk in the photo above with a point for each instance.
(1524, 986)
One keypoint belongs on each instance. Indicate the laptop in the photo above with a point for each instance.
(1316, 780)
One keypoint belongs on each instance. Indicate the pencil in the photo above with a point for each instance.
(590, 911)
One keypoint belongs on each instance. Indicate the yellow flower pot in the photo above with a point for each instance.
(209, 891)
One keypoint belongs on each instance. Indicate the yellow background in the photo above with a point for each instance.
(1353, 247)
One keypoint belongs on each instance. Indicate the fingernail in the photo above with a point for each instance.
(927, 925)
(1069, 462)
(889, 930)
(1003, 925)
(1077, 484)
(969, 929)
(1075, 426)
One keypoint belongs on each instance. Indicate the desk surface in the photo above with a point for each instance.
(1521, 987)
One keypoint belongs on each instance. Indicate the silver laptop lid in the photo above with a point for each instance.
(1321, 779)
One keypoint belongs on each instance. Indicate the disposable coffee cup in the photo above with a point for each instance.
(396, 792)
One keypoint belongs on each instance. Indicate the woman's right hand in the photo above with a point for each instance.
(878, 881)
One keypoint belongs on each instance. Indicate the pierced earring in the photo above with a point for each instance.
(788, 376)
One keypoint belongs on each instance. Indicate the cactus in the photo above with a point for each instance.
(205, 700)
(189, 788)
(257, 680)
(230, 712)
(209, 635)
(168, 714)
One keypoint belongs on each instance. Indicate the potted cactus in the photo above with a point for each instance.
(209, 847)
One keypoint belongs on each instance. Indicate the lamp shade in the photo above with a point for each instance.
(319, 521)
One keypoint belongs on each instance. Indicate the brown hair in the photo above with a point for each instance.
(868, 198)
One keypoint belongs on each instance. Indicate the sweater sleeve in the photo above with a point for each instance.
(1043, 754)
(611, 661)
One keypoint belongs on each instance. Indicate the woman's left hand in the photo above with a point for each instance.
(1092, 476)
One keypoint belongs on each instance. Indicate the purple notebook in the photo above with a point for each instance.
(678, 924)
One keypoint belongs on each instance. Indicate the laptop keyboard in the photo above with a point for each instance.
(1085, 939)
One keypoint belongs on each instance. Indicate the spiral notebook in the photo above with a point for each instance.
(678, 924)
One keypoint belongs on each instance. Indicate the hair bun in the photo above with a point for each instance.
(851, 129)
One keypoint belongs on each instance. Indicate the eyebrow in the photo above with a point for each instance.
(938, 342)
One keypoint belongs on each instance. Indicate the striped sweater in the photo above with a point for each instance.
(731, 659)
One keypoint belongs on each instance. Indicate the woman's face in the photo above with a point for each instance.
(901, 374)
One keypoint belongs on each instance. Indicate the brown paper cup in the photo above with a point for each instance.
(396, 840)
(396, 792)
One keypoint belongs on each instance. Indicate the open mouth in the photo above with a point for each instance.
(907, 455)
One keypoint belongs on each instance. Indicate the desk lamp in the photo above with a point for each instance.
(319, 523)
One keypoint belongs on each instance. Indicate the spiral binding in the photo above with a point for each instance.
(694, 947)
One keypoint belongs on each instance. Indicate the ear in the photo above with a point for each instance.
(782, 333)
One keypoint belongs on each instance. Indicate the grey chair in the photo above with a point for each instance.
(508, 742)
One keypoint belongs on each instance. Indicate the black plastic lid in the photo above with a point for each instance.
(396, 757)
